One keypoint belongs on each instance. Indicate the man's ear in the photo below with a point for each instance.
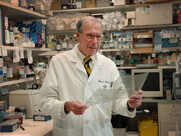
(78, 35)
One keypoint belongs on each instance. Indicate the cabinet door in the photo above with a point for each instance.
(168, 115)
(165, 128)
(169, 112)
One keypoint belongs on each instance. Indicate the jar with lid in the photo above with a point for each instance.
(31, 7)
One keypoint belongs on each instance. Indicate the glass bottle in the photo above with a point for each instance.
(59, 47)
(10, 70)
(26, 64)
(22, 69)
(118, 62)
(4, 71)
(122, 59)
(64, 44)
(54, 44)
(15, 70)
(70, 44)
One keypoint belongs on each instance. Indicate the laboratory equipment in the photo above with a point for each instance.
(177, 86)
(27, 98)
(40, 71)
(153, 85)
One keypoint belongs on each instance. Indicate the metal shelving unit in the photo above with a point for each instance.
(15, 12)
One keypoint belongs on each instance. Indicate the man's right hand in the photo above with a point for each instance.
(76, 107)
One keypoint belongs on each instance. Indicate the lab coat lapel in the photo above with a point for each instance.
(74, 59)
(98, 66)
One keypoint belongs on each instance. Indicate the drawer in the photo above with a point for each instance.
(169, 113)
(165, 128)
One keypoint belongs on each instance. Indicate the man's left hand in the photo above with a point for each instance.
(135, 100)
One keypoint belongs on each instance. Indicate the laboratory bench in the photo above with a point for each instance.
(32, 128)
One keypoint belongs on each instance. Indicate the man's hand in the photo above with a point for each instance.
(76, 107)
(135, 99)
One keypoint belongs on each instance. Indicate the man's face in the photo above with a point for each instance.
(89, 39)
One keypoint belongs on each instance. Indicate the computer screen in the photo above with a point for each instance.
(153, 84)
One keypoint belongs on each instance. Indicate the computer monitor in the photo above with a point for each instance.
(153, 85)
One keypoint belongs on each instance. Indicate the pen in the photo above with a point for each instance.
(22, 128)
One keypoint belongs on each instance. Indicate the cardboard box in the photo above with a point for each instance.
(131, 14)
(154, 14)
(148, 46)
(55, 5)
(155, 1)
(119, 2)
(90, 3)
(130, 22)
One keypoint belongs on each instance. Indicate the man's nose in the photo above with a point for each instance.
(95, 40)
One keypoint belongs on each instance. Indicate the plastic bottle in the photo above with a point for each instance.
(111, 42)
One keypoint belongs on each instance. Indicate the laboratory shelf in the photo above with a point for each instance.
(166, 67)
(109, 8)
(16, 12)
(145, 27)
(113, 50)
(50, 53)
(126, 67)
(26, 48)
(16, 81)
(59, 32)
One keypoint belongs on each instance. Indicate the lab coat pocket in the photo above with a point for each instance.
(105, 84)
(64, 123)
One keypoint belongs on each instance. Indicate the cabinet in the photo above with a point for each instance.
(18, 13)
(168, 114)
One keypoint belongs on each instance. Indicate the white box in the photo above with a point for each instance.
(155, 14)
(119, 2)
(131, 14)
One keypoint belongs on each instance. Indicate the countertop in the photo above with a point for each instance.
(32, 128)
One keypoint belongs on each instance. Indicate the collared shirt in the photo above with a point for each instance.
(81, 57)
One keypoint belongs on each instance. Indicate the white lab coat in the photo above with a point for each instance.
(66, 80)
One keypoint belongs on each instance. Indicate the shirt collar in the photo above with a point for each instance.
(82, 56)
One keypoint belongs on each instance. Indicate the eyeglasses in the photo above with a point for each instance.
(90, 36)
